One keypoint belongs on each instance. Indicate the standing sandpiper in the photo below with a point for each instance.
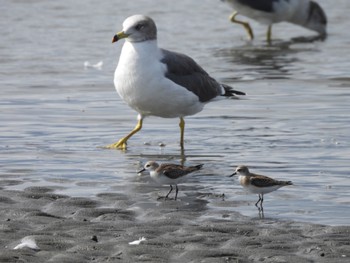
(258, 184)
(167, 173)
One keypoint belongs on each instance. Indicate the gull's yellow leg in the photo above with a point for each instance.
(182, 132)
(121, 144)
(269, 33)
(245, 24)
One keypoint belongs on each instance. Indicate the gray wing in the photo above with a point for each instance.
(174, 171)
(185, 72)
(261, 5)
(263, 181)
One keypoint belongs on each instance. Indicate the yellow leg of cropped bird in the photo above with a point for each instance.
(245, 24)
(182, 131)
(269, 33)
(121, 144)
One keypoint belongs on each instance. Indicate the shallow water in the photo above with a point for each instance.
(293, 124)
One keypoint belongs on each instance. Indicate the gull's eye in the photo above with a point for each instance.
(138, 27)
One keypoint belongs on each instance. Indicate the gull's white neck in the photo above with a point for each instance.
(144, 50)
(135, 57)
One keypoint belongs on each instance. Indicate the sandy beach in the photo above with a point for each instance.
(38, 225)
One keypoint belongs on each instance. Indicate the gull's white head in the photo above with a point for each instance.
(137, 28)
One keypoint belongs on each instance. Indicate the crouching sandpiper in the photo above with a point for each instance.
(167, 173)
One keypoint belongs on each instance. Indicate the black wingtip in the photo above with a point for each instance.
(199, 166)
(230, 92)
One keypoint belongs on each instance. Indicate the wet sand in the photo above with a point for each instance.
(99, 229)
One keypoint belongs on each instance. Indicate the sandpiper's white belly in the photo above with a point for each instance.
(140, 81)
(261, 190)
(162, 179)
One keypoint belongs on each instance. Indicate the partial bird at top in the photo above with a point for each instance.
(305, 13)
(159, 82)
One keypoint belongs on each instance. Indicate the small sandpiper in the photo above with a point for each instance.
(168, 173)
(258, 184)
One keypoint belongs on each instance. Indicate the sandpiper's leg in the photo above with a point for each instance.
(244, 24)
(268, 34)
(171, 188)
(256, 204)
(182, 131)
(177, 190)
(261, 214)
(261, 203)
(121, 144)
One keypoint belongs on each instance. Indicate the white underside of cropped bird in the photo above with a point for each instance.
(158, 82)
(305, 13)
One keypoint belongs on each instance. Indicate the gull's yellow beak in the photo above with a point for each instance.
(118, 36)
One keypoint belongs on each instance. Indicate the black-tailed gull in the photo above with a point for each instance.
(159, 82)
(305, 13)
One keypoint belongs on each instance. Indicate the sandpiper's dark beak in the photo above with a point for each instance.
(233, 174)
(119, 36)
(141, 170)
